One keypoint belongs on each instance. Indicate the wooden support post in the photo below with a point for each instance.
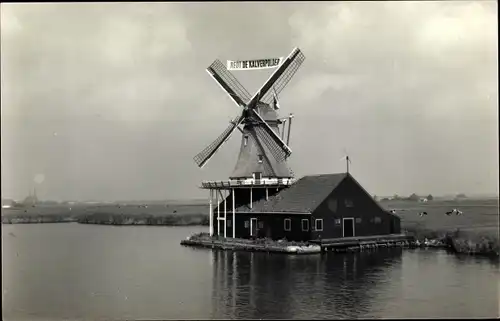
(267, 194)
(234, 216)
(211, 214)
(251, 197)
(225, 215)
(289, 127)
(218, 211)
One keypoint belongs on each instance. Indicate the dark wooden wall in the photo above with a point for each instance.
(364, 210)
(268, 225)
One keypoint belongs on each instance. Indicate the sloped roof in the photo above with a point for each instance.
(302, 197)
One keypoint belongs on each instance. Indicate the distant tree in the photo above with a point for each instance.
(396, 197)
(413, 197)
(430, 197)
(48, 202)
(461, 195)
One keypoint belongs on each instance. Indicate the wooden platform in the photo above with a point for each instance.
(250, 245)
(313, 246)
(365, 241)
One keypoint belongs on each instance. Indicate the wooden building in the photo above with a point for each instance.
(314, 207)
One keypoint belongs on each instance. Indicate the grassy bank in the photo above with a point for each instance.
(166, 215)
(40, 214)
(105, 218)
(473, 232)
(35, 219)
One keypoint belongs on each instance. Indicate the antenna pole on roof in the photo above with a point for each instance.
(347, 160)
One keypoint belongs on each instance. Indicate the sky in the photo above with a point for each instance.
(111, 101)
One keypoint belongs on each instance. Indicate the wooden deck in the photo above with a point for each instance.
(250, 245)
(364, 241)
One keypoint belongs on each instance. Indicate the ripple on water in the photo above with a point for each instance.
(75, 271)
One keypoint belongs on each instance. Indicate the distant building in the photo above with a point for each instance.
(31, 200)
(6, 203)
(314, 207)
(423, 200)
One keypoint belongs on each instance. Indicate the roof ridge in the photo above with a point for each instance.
(325, 174)
(306, 194)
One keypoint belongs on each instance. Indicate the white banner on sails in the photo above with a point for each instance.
(254, 64)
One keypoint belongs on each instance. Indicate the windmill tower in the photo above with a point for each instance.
(261, 169)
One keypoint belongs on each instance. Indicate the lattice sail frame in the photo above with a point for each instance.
(241, 97)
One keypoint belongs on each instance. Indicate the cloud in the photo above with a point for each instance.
(409, 88)
(399, 49)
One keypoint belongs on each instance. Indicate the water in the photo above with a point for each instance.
(73, 271)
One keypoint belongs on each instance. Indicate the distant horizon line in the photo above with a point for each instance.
(203, 199)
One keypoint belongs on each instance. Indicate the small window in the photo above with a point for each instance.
(319, 225)
(305, 225)
(245, 140)
(288, 224)
(228, 223)
(348, 203)
(257, 175)
(358, 220)
(247, 224)
(377, 220)
(260, 159)
(332, 205)
(337, 221)
(261, 224)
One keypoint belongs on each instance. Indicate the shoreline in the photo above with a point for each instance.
(464, 243)
(109, 218)
(453, 243)
(474, 233)
(293, 247)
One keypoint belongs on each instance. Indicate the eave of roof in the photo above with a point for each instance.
(282, 213)
(304, 196)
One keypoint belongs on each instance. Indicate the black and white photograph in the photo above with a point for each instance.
(249, 160)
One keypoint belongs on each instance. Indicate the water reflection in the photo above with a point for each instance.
(271, 286)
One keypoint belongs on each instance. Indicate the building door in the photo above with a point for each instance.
(348, 227)
(258, 177)
(253, 226)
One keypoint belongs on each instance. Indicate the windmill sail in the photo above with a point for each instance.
(229, 83)
(202, 157)
(258, 116)
(276, 150)
(274, 136)
(279, 79)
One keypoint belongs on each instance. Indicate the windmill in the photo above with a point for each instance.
(261, 169)
(262, 149)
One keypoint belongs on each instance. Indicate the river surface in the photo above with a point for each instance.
(89, 272)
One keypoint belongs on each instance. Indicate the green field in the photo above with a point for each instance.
(154, 214)
(479, 216)
(475, 231)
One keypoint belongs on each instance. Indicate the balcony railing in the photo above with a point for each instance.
(248, 182)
